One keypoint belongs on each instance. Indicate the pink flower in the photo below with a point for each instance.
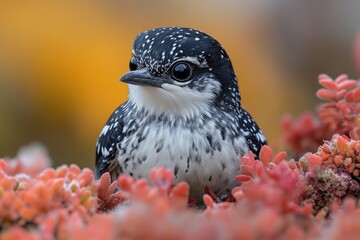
(338, 115)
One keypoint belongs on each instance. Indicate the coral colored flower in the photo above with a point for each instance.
(314, 197)
(31, 160)
(162, 178)
(58, 193)
(304, 134)
(332, 172)
(108, 199)
(273, 183)
(338, 115)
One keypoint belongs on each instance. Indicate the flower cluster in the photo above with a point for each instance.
(43, 205)
(313, 196)
(332, 173)
(338, 115)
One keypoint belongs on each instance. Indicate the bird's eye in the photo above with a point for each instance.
(133, 65)
(181, 71)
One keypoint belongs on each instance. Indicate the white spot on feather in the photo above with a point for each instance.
(170, 156)
(104, 130)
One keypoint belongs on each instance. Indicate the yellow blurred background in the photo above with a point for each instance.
(60, 61)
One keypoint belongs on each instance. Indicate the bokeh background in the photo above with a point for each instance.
(60, 61)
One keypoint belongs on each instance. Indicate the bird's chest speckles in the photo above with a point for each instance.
(202, 151)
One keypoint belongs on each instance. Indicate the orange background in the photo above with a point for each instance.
(60, 61)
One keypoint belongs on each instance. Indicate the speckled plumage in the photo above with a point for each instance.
(195, 126)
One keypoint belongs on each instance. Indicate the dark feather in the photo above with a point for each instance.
(248, 124)
(106, 149)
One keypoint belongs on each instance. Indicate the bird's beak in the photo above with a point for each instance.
(142, 77)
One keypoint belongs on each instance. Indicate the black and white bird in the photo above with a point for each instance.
(183, 113)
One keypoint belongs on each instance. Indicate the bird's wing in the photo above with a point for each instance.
(106, 146)
(253, 134)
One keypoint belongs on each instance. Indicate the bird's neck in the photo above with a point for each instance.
(173, 102)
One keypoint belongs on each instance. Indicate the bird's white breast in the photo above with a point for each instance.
(184, 150)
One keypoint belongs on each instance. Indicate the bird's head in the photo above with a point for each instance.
(180, 71)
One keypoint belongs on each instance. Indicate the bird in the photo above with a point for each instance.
(183, 113)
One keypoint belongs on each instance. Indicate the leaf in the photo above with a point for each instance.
(347, 84)
(209, 202)
(341, 143)
(247, 169)
(259, 169)
(338, 160)
(242, 178)
(353, 96)
(328, 83)
(125, 182)
(162, 178)
(341, 78)
(104, 185)
(326, 94)
(265, 155)
(180, 191)
(111, 188)
(340, 93)
(279, 157)
(314, 160)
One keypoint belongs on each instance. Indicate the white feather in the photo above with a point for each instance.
(173, 100)
(177, 147)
